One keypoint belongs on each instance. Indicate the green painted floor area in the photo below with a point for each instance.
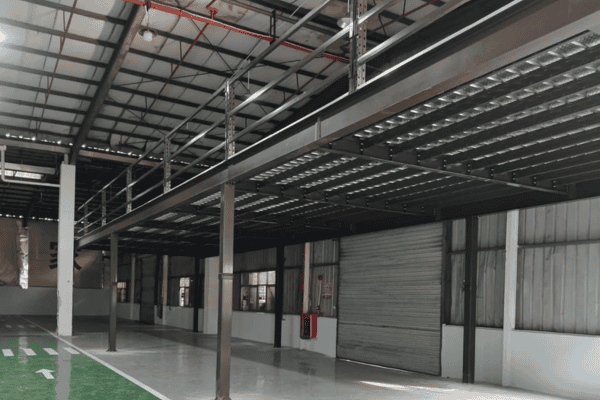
(75, 376)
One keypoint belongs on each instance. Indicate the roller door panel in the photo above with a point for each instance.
(389, 298)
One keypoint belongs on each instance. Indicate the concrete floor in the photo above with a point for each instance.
(180, 365)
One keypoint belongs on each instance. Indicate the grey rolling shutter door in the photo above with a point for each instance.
(389, 298)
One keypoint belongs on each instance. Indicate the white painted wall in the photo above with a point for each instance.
(180, 317)
(553, 363)
(324, 343)
(488, 354)
(124, 310)
(556, 363)
(42, 301)
(260, 327)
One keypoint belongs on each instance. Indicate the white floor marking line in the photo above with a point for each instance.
(9, 326)
(123, 374)
(7, 353)
(21, 326)
(52, 352)
(47, 373)
(29, 352)
(72, 351)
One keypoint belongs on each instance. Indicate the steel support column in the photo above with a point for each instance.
(165, 285)
(279, 282)
(226, 260)
(103, 207)
(167, 166)
(114, 263)
(66, 219)
(132, 287)
(225, 290)
(510, 292)
(358, 44)
(129, 191)
(470, 286)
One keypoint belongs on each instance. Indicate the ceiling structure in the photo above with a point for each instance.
(433, 134)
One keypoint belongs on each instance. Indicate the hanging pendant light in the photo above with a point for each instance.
(146, 32)
(345, 21)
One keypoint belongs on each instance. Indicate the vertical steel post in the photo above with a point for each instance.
(165, 284)
(114, 263)
(103, 207)
(470, 299)
(85, 219)
(132, 287)
(196, 293)
(129, 190)
(226, 262)
(167, 165)
(510, 293)
(358, 44)
(230, 121)
(279, 295)
(66, 238)
(446, 272)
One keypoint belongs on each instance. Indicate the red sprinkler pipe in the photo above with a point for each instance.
(210, 21)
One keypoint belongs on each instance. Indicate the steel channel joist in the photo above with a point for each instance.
(500, 44)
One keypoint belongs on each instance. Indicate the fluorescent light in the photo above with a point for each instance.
(22, 174)
(2, 36)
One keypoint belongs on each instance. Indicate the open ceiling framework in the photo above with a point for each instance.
(455, 119)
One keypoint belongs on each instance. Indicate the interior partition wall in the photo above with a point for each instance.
(390, 298)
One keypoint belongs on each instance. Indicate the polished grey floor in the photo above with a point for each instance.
(180, 365)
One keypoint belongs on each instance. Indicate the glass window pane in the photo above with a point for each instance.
(181, 282)
(245, 297)
(262, 278)
(262, 298)
(270, 298)
(271, 278)
(187, 297)
(181, 297)
(245, 278)
(254, 278)
(253, 298)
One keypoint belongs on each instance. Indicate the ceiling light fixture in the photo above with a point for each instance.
(345, 21)
(146, 32)
(2, 36)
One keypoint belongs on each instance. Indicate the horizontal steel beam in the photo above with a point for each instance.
(383, 155)
(500, 44)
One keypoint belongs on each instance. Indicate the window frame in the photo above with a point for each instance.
(120, 290)
(257, 286)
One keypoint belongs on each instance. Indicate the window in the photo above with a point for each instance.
(184, 292)
(122, 292)
(257, 291)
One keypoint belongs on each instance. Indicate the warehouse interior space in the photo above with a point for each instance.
(279, 199)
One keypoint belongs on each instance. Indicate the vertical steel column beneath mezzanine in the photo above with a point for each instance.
(470, 286)
(112, 319)
(226, 261)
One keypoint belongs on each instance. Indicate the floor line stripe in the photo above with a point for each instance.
(21, 326)
(29, 352)
(52, 352)
(72, 351)
(107, 365)
(9, 326)
(7, 353)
